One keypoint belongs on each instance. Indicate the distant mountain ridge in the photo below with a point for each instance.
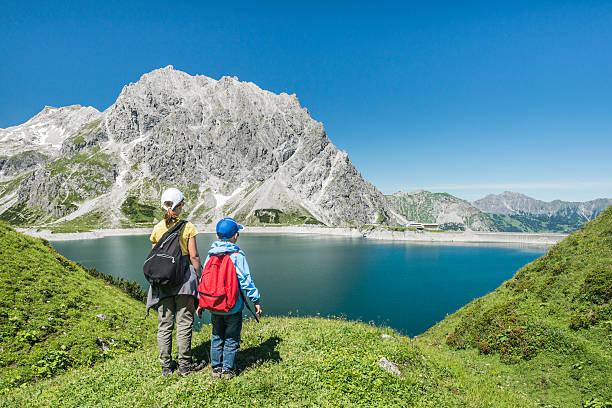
(518, 212)
(516, 203)
(507, 212)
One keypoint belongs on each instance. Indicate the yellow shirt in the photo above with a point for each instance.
(188, 231)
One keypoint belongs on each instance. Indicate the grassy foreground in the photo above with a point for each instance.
(542, 339)
(287, 362)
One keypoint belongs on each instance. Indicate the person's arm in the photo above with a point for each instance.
(246, 282)
(153, 239)
(194, 256)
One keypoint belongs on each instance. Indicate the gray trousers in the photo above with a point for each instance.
(181, 307)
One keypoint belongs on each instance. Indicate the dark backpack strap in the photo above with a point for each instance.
(179, 225)
(247, 304)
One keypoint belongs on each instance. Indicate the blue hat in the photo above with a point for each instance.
(227, 228)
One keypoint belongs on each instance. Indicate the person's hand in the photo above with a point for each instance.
(258, 310)
(199, 311)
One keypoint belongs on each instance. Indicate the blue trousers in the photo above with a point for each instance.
(225, 341)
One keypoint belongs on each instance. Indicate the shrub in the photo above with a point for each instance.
(597, 285)
(52, 361)
(131, 288)
(583, 320)
(137, 212)
(28, 336)
(452, 226)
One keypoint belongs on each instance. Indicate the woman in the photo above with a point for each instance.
(176, 302)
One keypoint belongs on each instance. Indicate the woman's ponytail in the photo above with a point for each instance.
(169, 216)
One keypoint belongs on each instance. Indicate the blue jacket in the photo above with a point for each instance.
(242, 272)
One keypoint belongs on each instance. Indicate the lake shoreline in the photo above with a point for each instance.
(467, 237)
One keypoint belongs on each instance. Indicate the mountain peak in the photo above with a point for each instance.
(237, 149)
(48, 128)
(514, 194)
(63, 110)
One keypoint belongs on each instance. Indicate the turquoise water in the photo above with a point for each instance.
(406, 286)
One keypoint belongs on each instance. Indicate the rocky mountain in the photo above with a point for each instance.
(449, 212)
(46, 131)
(516, 203)
(233, 148)
(518, 212)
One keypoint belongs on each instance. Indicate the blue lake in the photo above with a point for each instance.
(407, 286)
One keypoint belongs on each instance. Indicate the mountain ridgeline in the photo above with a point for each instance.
(232, 148)
(507, 212)
(518, 212)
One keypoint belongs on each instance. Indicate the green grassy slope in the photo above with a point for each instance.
(548, 330)
(52, 354)
(48, 314)
(287, 362)
(542, 339)
(428, 207)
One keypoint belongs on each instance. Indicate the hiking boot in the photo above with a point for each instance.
(227, 374)
(191, 368)
(168, 370)
(216, 372)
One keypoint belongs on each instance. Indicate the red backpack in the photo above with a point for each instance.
(219, 284)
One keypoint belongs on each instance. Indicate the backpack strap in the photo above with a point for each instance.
(242, 294)
(179, 225)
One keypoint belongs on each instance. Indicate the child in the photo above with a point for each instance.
(226, 327)
(179, 301)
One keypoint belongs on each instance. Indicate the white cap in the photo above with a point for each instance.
(174, 196)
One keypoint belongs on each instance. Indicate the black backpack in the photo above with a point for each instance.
(166, 264)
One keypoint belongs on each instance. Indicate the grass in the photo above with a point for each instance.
(275, 216)
(287, 362)
(85, 131)
(538, 223)
(84, 223)
(137, 212)
(48, 309)
(21, 214)
(548, 329)
(541, 339)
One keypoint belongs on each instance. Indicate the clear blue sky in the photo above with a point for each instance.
(464, 97)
